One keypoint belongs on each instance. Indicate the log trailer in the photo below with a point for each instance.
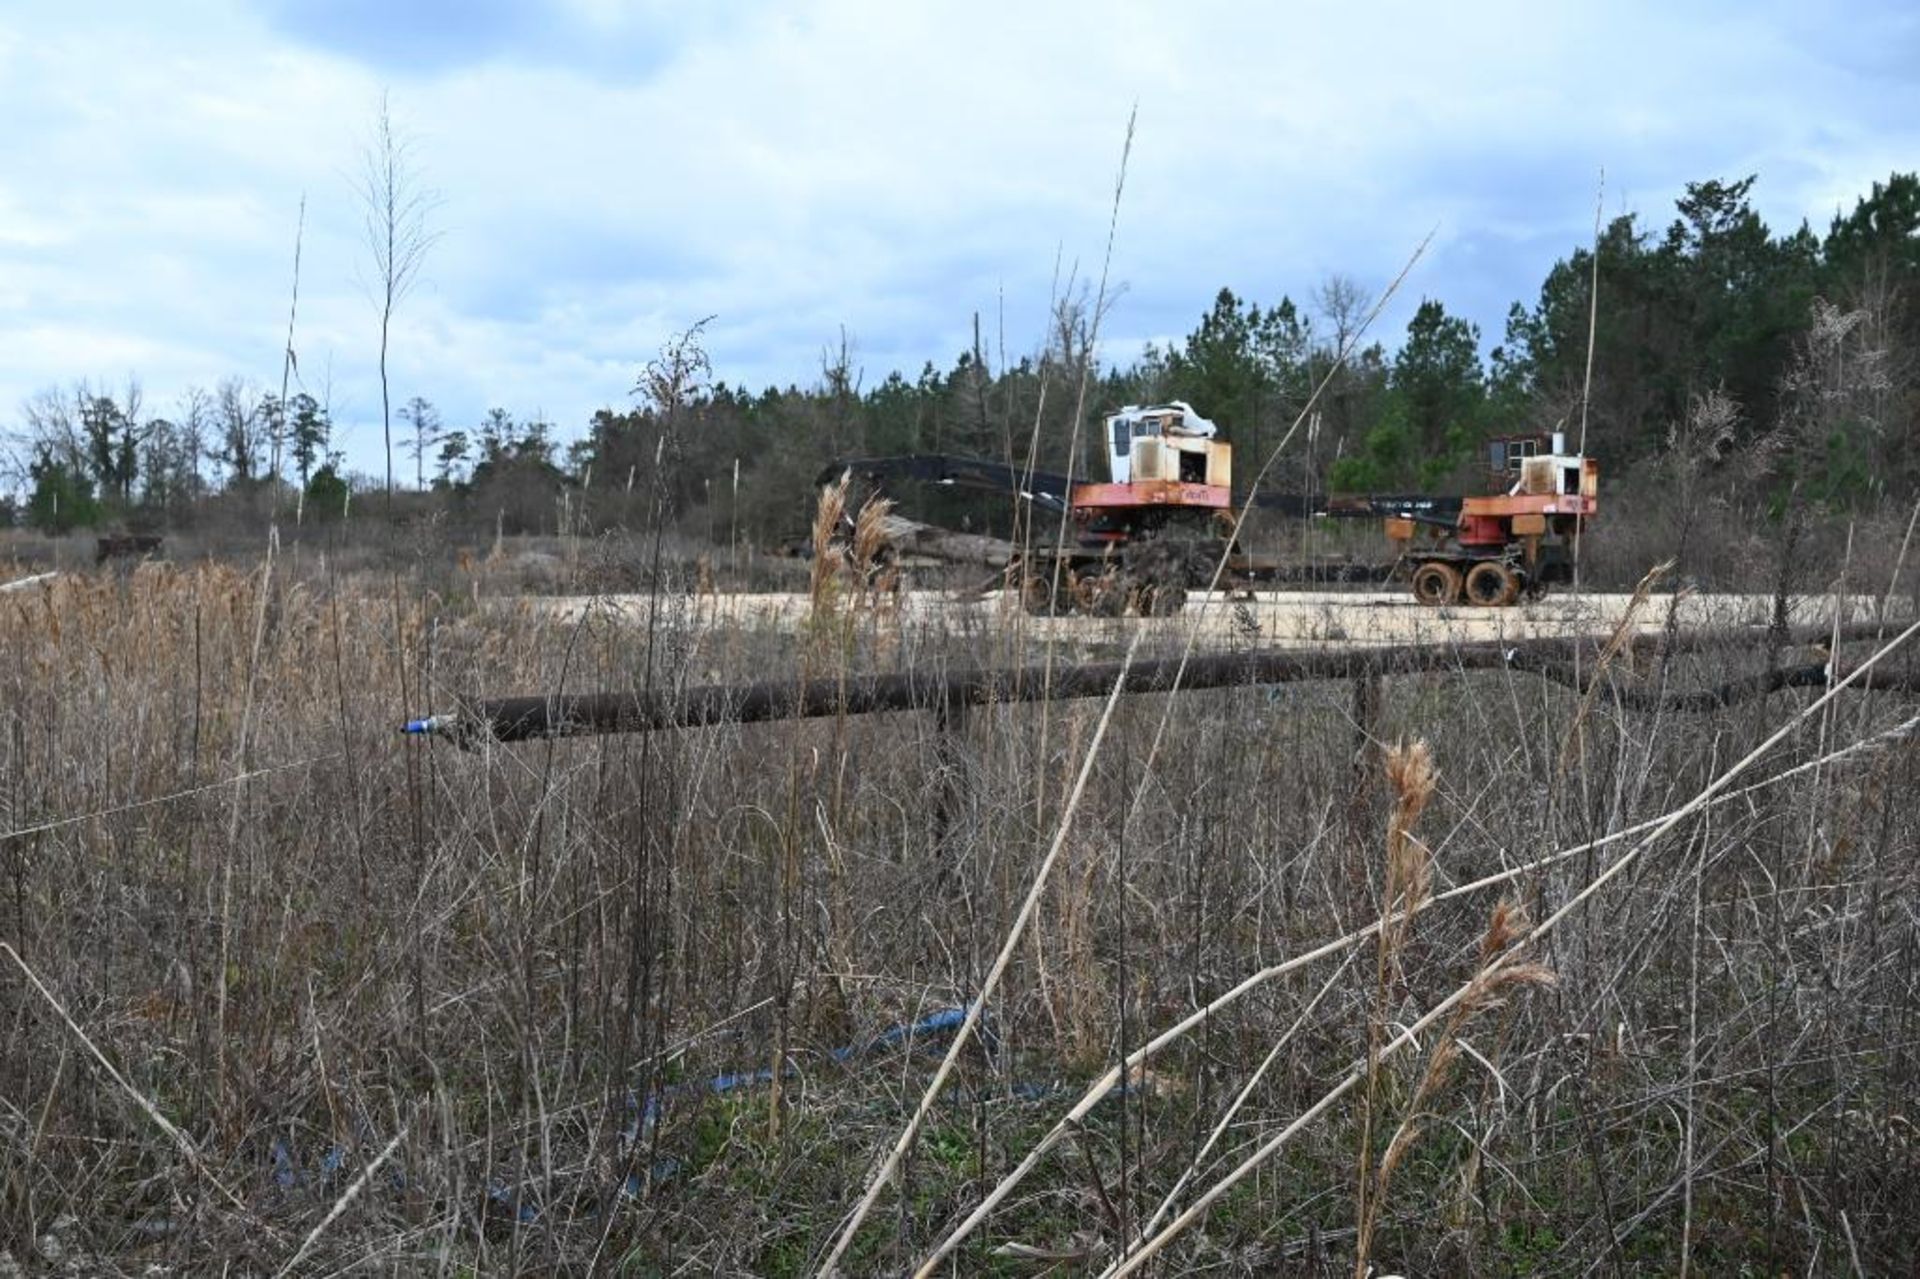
(1156, 527)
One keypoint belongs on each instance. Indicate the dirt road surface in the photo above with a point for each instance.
(1285, 619)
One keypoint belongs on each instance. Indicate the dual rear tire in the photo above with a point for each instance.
(1491, 584)
(1488, 584)
(1436, 584)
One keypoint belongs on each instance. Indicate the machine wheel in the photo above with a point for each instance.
(1158, 574)
(1037, 596)
(1162, 600)
(1164, 568)
(1103, 596)
(1436, 584)
(1491, 584)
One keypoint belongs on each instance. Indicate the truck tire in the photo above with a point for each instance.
(1491, 584)
(1436, 583)
(1104, 595)
(1162, 568)
(1037, 594)
(1158, 599)
(1159, 571)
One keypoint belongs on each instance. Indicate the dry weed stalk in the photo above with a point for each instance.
(1617, 643)
(872, 580)
(1080, 985)
(869, 532)
(876, 576)
(1486, 991)
(1409, 887)
(827, 517)
(341, 1204)
(1051, 998)
(1411, 773)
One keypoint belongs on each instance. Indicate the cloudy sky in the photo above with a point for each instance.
(609, 172)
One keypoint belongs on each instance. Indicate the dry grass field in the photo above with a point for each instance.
(1458, 972)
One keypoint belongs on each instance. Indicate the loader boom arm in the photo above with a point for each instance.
(1044, 488)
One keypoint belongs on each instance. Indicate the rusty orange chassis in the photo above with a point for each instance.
(1095, 498)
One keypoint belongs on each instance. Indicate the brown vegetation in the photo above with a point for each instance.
(282, 982)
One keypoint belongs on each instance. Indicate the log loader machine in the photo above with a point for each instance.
(1157, 526)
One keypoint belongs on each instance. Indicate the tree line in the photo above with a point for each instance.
(1723, 352)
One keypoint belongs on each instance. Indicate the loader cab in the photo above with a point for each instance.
(1162, 442)
(1507, 456)
(1539, 465)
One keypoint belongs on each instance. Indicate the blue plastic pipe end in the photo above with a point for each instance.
(429, 725)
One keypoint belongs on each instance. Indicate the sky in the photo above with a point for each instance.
(604, 174)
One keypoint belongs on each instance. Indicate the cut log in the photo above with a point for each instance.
(910, 537)
(512, 719)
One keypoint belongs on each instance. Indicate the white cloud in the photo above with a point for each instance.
(612, 172)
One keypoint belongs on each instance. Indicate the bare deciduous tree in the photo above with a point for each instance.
(50, 420)
(1343, 304)
(241, 427)
(396, 206)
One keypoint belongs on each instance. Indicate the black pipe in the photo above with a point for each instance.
(1731, 692)
(513, 719)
